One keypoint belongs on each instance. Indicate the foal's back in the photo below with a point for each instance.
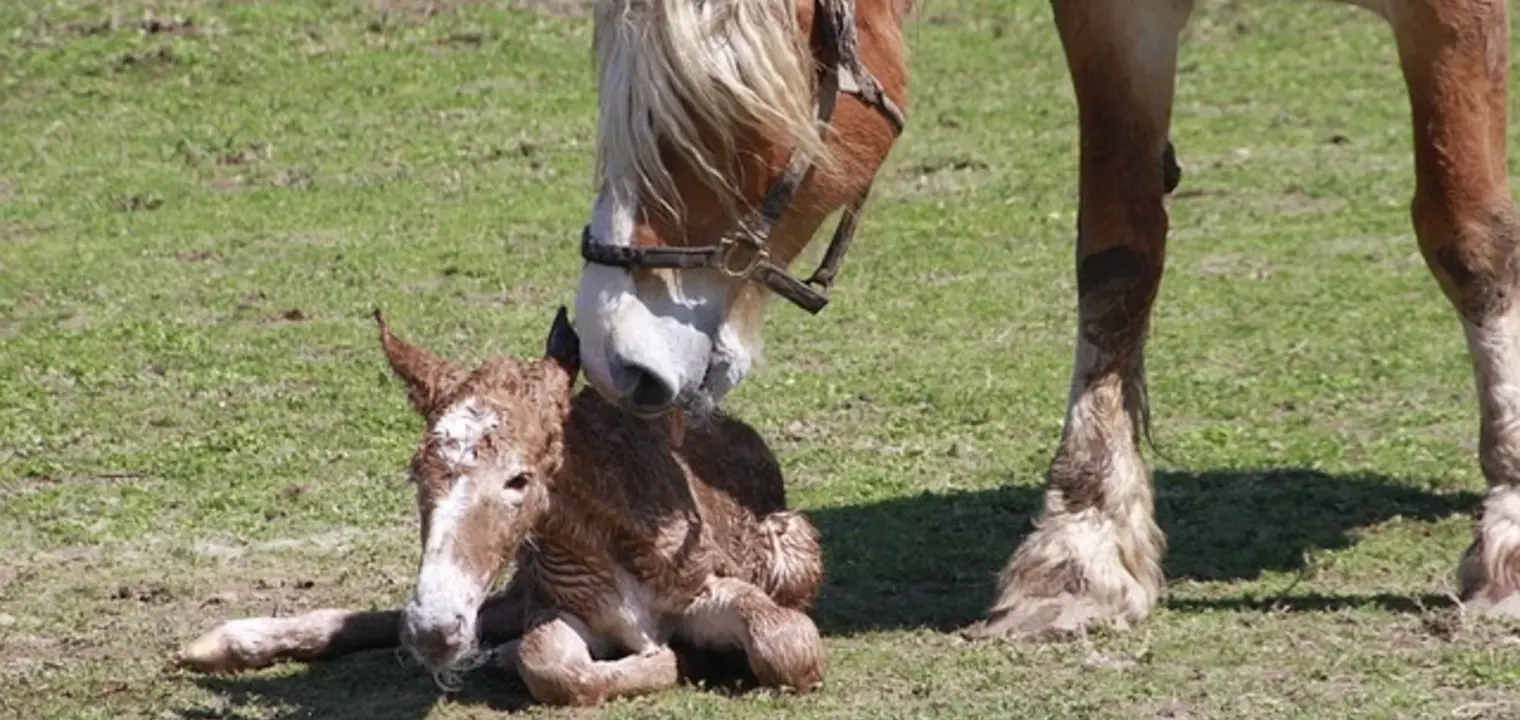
(701, 504)
(723, 461)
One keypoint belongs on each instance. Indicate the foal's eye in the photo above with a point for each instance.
(518, 482)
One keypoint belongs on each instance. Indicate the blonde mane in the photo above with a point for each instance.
(672, 70)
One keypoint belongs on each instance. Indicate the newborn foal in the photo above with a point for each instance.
(622, 542)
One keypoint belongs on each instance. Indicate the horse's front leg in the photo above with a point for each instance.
(1095, 554)
(1455, 57)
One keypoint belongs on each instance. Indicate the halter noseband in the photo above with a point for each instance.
(743, 254)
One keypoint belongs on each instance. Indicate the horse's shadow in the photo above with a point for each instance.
(931, 561)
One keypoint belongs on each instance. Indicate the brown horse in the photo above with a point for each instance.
(729, 130)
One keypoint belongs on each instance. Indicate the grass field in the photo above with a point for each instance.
(196, 424)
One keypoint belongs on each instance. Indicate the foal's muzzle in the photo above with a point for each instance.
(437, 642)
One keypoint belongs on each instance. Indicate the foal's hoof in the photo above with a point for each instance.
(232, 647)
(211, 654)
(1024, 617)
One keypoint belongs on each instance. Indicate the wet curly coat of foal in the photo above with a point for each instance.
(623, 541)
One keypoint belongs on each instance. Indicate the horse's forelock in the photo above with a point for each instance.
(668, 69)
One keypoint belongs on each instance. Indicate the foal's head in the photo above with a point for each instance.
(702, 103)
(492, 442)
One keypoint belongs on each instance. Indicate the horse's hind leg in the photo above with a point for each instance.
(1095, 554)
(1455, 60)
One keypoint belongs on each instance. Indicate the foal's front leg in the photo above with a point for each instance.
(328, 633)
(1095, 554)
(251, 643)
(554, 660)
(782, 644)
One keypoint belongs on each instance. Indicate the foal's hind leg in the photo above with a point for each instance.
(793, 570)
(1455, 59)
(1095, 554)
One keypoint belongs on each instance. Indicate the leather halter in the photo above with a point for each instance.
(744, 252)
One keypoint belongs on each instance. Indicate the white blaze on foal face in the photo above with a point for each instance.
(492, 442)
(440, 618)
(473, 484)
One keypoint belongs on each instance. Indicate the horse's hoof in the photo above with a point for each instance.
(1022, 617)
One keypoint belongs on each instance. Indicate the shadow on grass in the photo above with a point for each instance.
(374, 685)
(932, 560)
(370, 684)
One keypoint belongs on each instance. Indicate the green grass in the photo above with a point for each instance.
(196, 423)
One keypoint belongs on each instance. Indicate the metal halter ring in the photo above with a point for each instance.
(726, 249)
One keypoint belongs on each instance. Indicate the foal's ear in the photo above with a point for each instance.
(563, 345)
(428, 377)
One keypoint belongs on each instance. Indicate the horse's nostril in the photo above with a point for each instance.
(642, 389)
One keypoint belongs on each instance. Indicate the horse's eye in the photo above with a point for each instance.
(518, 482)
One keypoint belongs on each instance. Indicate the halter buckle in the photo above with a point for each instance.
(727, 248)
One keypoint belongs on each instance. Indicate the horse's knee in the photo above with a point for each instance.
(1473, 258)
(1116, 288)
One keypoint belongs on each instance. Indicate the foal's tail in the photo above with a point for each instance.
(251, 643)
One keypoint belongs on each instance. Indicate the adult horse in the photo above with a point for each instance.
(708, 108)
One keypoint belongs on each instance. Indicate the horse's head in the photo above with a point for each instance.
(729, 130)
(492, 444)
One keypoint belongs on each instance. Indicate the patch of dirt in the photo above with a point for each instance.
(1296, 202)
(159, 57)
(559, 8)
(293, 315)
(934, 176)
(463, 39)
(73, 322)
(139, 202)
(152, 594)
(196, 256)
(425, 8)
(523, 293)
(228, 184)
(152, 24)
(251, 299)
(34, 483)
(1221, 265)
(299, 178)
(90, 28)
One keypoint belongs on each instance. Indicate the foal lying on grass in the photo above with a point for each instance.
(622, 542)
